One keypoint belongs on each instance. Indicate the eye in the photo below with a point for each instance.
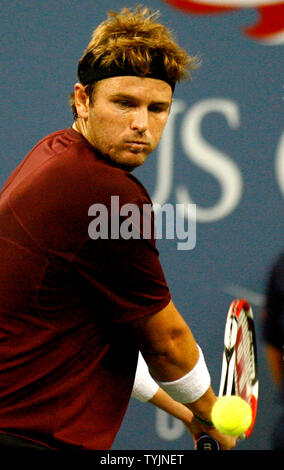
(157, 108)
(125, 103)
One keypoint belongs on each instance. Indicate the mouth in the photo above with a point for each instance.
(137, 146)
(141, 143)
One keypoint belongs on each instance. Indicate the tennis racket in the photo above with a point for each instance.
(239, 365)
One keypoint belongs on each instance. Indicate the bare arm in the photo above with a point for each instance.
(170, 350)
(163, 401)
(145, 389)
(166, 343)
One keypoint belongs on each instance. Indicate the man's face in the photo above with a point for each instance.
(126, 118)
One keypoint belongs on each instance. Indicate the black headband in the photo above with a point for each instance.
(89, 72)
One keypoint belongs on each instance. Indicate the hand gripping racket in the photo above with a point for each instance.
(239, 365)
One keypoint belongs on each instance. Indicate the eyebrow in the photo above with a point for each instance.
(134, 98)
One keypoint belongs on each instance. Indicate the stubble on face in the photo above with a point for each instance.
(126, 118)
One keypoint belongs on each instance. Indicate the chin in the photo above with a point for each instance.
(128, 166)
(129, 162)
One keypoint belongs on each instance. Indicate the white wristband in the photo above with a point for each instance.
(145, 386)
(191, 386)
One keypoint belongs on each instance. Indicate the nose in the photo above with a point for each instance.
(139, 120)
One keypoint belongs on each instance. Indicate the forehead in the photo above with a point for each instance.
(150, 89)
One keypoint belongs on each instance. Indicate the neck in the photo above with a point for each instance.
(80, 126)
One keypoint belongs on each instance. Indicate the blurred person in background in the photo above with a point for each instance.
(273, 334)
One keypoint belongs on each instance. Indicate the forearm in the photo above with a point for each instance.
(202, 407)
(163, 401)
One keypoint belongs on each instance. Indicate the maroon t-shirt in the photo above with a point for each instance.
(68, 358)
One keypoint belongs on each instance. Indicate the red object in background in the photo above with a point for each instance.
(269, 27)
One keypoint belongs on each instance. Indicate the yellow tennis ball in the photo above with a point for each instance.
(231, 415)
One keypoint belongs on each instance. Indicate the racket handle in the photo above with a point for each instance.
(206, 442)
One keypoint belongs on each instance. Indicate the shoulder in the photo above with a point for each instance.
(67, 155)
(58, 141)
(109, 180)
(125, 185)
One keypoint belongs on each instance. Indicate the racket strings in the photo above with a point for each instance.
(244, 359)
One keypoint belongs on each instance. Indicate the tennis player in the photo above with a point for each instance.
(78, 298)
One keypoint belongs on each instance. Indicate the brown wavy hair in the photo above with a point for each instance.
(133, 37)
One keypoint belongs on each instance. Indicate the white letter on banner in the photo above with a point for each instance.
(279, 163)
(167, 427)
(207, 157)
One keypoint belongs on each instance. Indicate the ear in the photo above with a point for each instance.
(81, 101)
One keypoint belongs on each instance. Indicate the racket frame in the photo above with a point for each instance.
(229, 372)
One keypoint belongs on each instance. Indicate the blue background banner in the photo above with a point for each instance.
(222, 150)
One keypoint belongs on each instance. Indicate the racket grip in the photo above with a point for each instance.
(206, 442)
